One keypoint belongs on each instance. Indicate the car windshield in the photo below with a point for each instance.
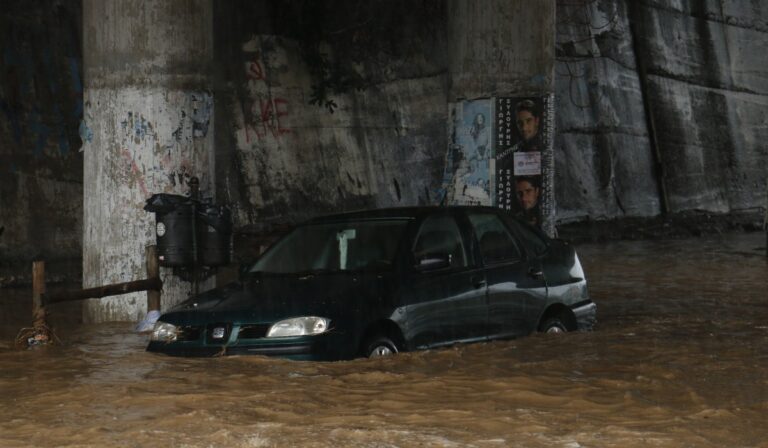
(334, 247)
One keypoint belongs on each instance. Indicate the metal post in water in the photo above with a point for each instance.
(153, 294)
(38, 289)
(39, 334)
(153, 271)
(194, 193)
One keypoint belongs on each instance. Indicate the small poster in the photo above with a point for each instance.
(527, 163)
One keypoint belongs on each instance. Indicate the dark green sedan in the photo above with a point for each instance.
(378, 282)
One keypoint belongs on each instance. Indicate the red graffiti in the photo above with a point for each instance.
(254, 70)
(267, 113)
(136, 174)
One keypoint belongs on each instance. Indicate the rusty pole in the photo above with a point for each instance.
(194, 193)
(153, 271)
(103, 291)
(38, 289)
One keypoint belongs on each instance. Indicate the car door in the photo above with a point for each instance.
(445, 302)
(513, 280)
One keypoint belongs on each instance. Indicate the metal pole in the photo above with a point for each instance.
(38, 289)
(153, 271)
(103, 291)
(194, 192)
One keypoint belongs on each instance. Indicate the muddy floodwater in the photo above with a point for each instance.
(679, 359)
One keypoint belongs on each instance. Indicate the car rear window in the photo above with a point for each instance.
(533, 241)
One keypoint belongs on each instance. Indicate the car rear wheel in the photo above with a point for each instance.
(553, 325)
(380, 346)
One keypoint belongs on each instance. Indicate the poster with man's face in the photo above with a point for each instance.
(521, 138)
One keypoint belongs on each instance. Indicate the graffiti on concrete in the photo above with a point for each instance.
(202, 107)
(41, 96)
(254, 69)
(266, 110)
(266, 113)
(137, 127)
(135, 174)
(159, 145)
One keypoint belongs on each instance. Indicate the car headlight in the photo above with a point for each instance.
(299, 326)
(164, 332)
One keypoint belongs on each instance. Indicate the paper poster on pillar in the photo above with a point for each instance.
(467, 175)
(522, 157)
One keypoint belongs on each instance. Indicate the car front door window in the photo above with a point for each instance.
(440, 236)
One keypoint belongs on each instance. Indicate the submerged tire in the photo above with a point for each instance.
(553, 325)
(380, 346)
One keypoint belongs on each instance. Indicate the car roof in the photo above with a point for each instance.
(396, 213)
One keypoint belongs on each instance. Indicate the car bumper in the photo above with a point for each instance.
(586, 315)
(311, 348)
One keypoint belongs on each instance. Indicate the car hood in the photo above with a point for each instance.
(268, 298)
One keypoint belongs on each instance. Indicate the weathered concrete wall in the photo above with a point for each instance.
(40, 163)
(391, 69)
(500, 48)
(708, 76)
(706, 90)
(388, 70)
(383, 144)
(150, 113)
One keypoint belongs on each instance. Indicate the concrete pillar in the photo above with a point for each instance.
(506, 49)
(501, 47)
(148, 128)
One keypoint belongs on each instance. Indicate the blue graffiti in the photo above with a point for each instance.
(86, 135)
(38, 130)
(34, 110)
(13, 118)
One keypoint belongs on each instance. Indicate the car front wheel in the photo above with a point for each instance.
(553, 325)
(380, 346)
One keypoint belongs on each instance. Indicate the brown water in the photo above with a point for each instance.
(679, 358)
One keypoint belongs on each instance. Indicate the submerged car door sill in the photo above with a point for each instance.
(449, 343)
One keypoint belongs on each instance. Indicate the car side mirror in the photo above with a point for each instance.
(243, 270)
(432, 262)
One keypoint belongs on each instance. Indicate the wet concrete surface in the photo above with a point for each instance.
(679, 358)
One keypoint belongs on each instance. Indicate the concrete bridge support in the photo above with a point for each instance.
(506, 49)
(148, 128)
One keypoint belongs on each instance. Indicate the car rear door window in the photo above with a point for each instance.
(531, 239)
(496, 243)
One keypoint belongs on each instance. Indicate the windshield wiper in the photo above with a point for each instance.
(303, 273)
(322, 271)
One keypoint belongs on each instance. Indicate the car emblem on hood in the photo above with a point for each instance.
(218, 333)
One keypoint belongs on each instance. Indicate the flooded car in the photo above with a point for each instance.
(373, 283)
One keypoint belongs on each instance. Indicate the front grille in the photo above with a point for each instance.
(189, 334)
(218, 333)
(254, 331)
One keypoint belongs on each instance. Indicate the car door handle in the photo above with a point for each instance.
(477, 282)
(535, 274)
